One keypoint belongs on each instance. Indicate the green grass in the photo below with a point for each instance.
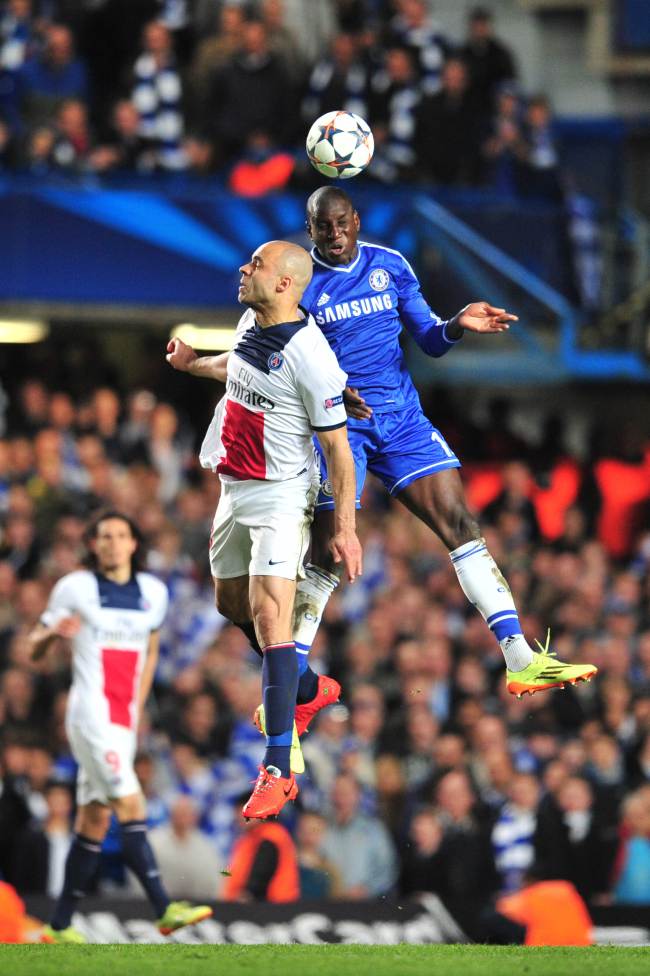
(328, 960)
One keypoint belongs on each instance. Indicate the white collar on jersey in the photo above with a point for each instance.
(347, 268)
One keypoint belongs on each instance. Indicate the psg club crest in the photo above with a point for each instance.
(379, 279)
(275, 360)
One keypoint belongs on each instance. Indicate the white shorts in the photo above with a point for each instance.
(261, 528)
(105, 756)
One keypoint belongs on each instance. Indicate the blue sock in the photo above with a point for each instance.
(139, 857)
(307, 679)
(279, 686)
(80, 868)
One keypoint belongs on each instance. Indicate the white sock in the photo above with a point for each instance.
(312, 594)
(485, 587)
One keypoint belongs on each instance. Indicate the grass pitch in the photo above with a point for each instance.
(326, 960)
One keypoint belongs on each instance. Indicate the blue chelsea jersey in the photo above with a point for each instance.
(361, 308)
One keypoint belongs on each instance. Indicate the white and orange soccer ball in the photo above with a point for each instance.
(340, 145)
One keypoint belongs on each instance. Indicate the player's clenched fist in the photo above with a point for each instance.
(180, 355)
(346, 548)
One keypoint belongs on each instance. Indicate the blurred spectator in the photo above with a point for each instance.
(447, 129)
(17, 41)
(19, 546)
(53, 76)
(394, 100)
(167, 452)
(541, 176)
(513, 509)
(505, 148)
(573, 842)
(14, 811)
(282, 40)
(214, 53)
(314, 23)
(34, 407)
(414, 29)
(73, 143)
(632, 884)
(422, 861)
(16, 34)
(337, 80)
(157, 809)
(488, 61)
(318, 878)
(250, 93)
(470, 873)
(157, 95)
(263, 866)
(358, 846)
(41, 850)
(514, 831)
(188, 863)
(262, 169)
(126, 148)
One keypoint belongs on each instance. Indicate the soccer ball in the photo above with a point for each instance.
(340, 144)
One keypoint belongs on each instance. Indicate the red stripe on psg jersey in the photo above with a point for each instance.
(242, 436)
(119, 683)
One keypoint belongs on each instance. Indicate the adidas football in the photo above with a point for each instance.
(340, 145)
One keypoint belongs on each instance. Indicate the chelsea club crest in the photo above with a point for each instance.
(379, 279)
(275, 360)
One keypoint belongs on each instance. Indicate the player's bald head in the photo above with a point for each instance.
(287, 260)
(326, 197)
(293, 261)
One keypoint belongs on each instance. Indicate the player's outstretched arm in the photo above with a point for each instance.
(42, 637)
(480, 317)
(344, 544)
(183, 358)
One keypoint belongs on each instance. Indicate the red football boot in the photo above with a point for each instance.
(329, 692)
(271, 793)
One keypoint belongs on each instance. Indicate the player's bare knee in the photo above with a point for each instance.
(93, 821)
(129, 807)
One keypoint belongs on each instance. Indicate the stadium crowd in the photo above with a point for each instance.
(173, 86)
(428, 777)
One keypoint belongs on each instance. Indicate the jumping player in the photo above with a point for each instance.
(282, 383)
(361, 295)
(112, 614)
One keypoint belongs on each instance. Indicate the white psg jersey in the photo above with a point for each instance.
(110, 648)
(284, 382)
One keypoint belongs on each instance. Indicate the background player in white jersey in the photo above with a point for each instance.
(282, 383)
(112, 615)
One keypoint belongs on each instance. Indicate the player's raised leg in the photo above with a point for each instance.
(271, 601)
(439, 501)
(313, 593)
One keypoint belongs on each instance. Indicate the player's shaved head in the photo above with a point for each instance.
(274, 279)
(291, 260)
(325, 197)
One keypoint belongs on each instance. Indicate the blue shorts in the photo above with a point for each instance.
(398, 447)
